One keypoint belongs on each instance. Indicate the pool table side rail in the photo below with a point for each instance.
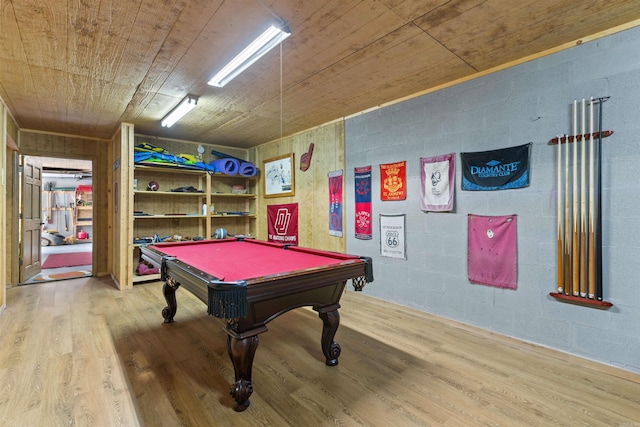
(231, 299)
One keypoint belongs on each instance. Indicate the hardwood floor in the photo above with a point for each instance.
(81, 353)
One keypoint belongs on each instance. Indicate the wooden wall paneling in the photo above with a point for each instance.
(11, 135)
(264, 152)
(340, 162)
(36, 143)
(12, 132)
(123, 206)
(3, 201)
(118, 245)
(11, 205)
(308, 192)
(311, 192)
(12, 229)
(328, 156)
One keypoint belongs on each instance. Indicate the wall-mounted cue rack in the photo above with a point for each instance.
(579, 191)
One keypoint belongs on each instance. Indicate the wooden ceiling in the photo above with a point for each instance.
(82, 67)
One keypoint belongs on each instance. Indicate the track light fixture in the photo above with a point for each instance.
(260, 46)
(186, 105)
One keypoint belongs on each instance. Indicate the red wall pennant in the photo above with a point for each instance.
(393, 181)
(282, 224)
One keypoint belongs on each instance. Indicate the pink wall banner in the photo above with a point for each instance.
(491, 251)
(363, 228)
(335, 203)
(282, 223)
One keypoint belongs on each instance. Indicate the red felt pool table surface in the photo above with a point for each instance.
(231, 259)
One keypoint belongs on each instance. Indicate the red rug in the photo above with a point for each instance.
(71, 259)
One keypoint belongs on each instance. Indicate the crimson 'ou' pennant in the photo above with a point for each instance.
(363, 228)
(497, 169)
(282, 223)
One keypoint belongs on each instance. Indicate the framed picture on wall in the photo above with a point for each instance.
(279, 177)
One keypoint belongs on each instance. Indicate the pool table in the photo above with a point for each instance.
(248, 282)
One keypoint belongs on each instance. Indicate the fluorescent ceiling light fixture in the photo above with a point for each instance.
(263, 44)
(186, 105)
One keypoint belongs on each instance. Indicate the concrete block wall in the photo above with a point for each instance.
(530, 102)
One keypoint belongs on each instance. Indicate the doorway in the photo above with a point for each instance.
(66, 220)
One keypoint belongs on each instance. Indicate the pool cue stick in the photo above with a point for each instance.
(592, 243)
(583, 207)
(599, 208)
(575, 272)
(559, 207)
(567, 222)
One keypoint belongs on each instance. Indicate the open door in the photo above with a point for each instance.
(31, 218)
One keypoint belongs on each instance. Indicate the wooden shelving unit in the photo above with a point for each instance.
(184, 215)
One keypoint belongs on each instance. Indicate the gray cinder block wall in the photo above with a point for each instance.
(530, 102)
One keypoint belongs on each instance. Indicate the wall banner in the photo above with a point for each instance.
(393, 181)
(363, 228)
(392, 236)
(437, 182)
(282, 223)
(496, 170)
(491, 250)
(335, 203)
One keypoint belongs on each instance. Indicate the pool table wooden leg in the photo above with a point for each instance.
(169, 291)
(330, 322)
(241, 351)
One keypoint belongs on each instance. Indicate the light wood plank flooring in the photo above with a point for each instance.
(81, 353)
